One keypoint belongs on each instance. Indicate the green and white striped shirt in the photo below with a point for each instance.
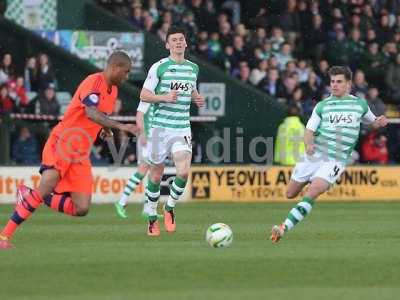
(164, 76)
(336, 125)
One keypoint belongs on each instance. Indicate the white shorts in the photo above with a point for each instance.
(163, 143)
(306, 170)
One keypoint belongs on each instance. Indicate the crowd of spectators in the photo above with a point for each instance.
(37, 77)
(287, 47)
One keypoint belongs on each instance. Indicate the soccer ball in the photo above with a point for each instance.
(219, 235)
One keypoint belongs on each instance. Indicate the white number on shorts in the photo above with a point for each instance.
(336, 170)
(188, 139)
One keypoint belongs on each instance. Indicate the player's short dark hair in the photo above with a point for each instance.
(341, 70)
(175, 29)
(119, 58)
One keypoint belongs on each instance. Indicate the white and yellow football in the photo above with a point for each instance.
(219, 235)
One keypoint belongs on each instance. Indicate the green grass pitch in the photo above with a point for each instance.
(341, 251)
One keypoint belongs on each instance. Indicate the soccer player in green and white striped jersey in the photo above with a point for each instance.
(331, 135)
(144, 115)
(171, 87)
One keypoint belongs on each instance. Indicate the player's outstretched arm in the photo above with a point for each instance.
(98, 117)
(148, 96)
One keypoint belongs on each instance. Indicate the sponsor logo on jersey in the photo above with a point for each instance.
(339, 118)
(176, 85)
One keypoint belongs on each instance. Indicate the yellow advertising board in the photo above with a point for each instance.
(108, 183)
(253, 183)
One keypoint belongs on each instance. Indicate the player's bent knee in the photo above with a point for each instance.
(291, 194)
(82, 210)
(183, 174)
(156, 174)
(156, 177)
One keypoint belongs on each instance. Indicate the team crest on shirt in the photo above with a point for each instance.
(94, 98)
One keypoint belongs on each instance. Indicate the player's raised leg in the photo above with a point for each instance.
(152, 195)
(182, 160)
(27, 201)
(317, 187)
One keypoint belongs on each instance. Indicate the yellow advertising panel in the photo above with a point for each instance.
(253, 183)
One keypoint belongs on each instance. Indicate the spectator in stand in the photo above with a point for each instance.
(355, 23)
(259, 37)
(356, 47)
(259, 73)
(45, 72)
(31, 75)
(229, 61)
(167, 17)
(322, 72)
(373, 64)
(214, 46)
(136, 18)
(17, 91)
(368, 18)
(46, 102)
(153, 10)
(271, 83)
(25, 150)
(371, 36)
(244, 73)
(374, 149)
(284, 55)
(7, 69)
(289, 86)
(202, 45)
(167, 5)
(290, 69)
(7, 103)
(360, 86)
(289, 21)
(375, 103)
(311, 94)
(179, 10)
(200, 14)
(225, 32)
(190, 27)
(148, 23)
(276, 39)
(393, 81)
(162, 32)
(384, 33)
(389, 51)
(297, 100)
(239, 48)
(315, 39)
(235, 8)
(338, 52)
(303, 70)
(211, 15)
